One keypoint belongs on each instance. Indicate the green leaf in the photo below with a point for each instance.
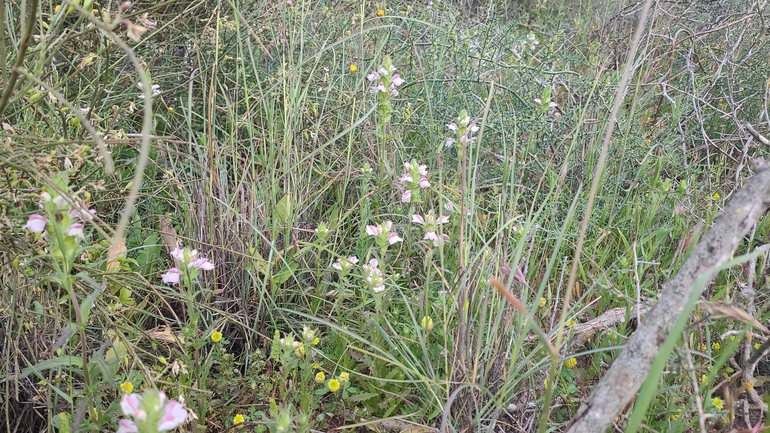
(362, 397)
(282, 211)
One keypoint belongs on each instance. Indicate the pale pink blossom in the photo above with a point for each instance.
(450, 141)
(452, 126)
(373, 76)
(373, 230)
(82, 214)
(418, 219)
(75, 230)
(406, 177)
(393, 237)
(201, 263)
(424, 183)
(406, 197)
(442, 219)
(127, 426)
(36, 223)
(178, 254)
(174, 414)
(172, 276)
(130, 406)
(397, 80)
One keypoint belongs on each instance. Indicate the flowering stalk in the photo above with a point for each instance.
(461, 128)
(62, 223)
(384, 82)
(151, 413)
(383, 235)
(414, 178)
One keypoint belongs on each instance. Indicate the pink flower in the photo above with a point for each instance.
(442, 219)
(337, 266)
(418, 219)
(174, 415)
(75, 230)
(397, 80)
(202, 263)
(452, 126)
(82, 214)
(178, 254)
(450, 141)
(373, 76)
(406, 177)
(130, 405)
(424, 183)
(172, 276)
(393, 237)
(422, 169)
(127, 426)
(373, 230)
(407, 196)
(36, 223)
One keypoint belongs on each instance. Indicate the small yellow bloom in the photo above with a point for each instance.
(570, 363)
(718, 403)
(732, 338)
(380, 12)
(170, 109)
(315, 341)
(238, 419)
(57, 9)
(127, 387)
(320, 377)
(427, 323)
(570, 322)
(542, 302)
(216, 337)
(716, 346)
(756, 345)
(316, 366)
(748, 386)
(334, 385)
(353, 68)
(704, 378)
(344, 377)
(300, 352)
(715, 196)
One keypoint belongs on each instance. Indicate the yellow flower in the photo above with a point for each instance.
(427, 323)
(320, 377)
(353, 68)
(718, 403)
(300, 352)
(216, 337)
(715, 346)
(334, 385)
(344, 377)
(748, 386)
(238, 419)
(704, 378)
(715, 196)
(127, 387)
(756, 345)
(316, 341)
(380, 12)
(570, 363)
(316, 366)
(570, 322)
(170, 109)
(57, 9)
(542, 302)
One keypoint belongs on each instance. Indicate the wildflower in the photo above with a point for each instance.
(238, 419)
(127, 387)
(171, 276)
(320, 377)
(380, 12)
(756, 345)
(170, 109)
(75, 230)
(334, 385)
(315, 341)
(344, 265)
(300, 351)
(126, 426)
(385, 82)
(155, 89)
(570, 322)
(542, 302)
(431, 223)
(36, 223)
(570, 363)
(82, 214)
(461, 129)
(716, 346)
(344, 377)
(715, 196)
(308, 334)
(201, 263)
(56, 9)
(427, 323)
(414, 178)
(383, 234)
(373, 276)
(216, 337)
(353, 68)
(718, 403)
